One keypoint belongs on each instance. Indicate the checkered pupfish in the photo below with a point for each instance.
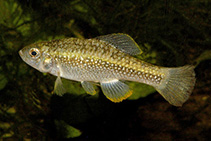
(107, 60)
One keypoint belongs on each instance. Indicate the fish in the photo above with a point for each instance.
(108, 61)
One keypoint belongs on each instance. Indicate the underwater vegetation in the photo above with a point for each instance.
(169, 33)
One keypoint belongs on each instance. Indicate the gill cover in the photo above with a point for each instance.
(46, 64)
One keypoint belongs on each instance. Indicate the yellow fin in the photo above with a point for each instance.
(88, 87)
(115, 90)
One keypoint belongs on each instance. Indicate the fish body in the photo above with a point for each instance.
(107, 60)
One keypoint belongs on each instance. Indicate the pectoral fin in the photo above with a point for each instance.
(58, 87)
(88, 87)
(115, 90)
(123, 42)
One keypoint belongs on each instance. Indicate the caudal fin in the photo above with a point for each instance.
(177, 85)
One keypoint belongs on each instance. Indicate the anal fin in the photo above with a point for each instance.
(115, 90)
(88, 87)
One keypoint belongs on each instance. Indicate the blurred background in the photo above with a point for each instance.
(170, 33)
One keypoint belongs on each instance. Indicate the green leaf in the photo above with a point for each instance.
(80, 8)
(73, 87)
(11, 15)
(150, 55)
(206, 55)
(65, 130)
(5, 125)
(140, 90)
(3, 81)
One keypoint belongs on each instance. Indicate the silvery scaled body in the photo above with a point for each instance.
(107, 60)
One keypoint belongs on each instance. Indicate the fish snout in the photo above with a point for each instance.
(20, 53)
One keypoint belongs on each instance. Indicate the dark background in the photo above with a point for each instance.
(170, 33)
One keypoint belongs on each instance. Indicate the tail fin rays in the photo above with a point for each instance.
(177, 85)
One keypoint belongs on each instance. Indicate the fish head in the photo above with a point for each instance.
(35, 55)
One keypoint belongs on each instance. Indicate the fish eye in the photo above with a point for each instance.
(34, 53)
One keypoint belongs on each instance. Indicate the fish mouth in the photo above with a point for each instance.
(20, 53)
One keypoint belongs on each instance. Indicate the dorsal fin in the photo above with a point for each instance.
(123, 42)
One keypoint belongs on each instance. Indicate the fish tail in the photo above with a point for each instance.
(177, 85)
